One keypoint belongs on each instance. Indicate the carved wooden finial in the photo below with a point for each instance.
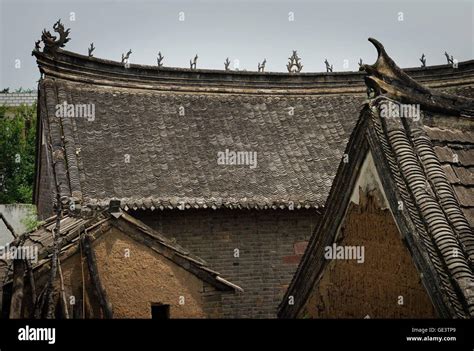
(423, 60)
(51, 42)
(91, 50)
(261, 66)
(294, 63)
(450, 59)
(226, 64)
(193, 63)
(159, 59)
(328, 66)
(126, 56)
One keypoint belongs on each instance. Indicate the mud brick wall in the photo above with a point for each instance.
(270, 245)
(386, 285)
(146, 277)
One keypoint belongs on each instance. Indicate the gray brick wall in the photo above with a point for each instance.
(266, 241)
(17, 99)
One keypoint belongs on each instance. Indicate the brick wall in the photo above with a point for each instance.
(17, 99)
(270, 246)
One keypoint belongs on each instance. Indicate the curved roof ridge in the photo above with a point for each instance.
(56, 61)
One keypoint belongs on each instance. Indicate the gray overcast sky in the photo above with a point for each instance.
(245, 30)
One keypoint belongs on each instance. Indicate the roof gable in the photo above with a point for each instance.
(423, 201)
(72, 228)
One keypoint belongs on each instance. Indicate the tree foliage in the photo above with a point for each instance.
(17, 153)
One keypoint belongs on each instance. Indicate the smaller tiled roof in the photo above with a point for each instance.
(71, 229)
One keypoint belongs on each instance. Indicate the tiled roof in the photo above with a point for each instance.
(170, 123)
(71, 228)
(454, 146)
(173, 158)
(425, 164)
(425, 180)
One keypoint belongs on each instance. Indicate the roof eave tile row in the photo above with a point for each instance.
(442, 231)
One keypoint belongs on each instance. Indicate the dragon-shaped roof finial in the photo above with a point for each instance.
(385, 78)
(382, 75)
(53, 43)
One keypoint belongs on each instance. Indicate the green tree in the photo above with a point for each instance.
(17, 153)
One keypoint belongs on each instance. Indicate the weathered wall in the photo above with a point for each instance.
(349, 289)
(134, 277)
(74, 273)
(133, 283)
(270, 244)
(73, 288)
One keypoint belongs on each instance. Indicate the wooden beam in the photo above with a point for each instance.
(8, 225)
(63, 292)
(95, 277)
(50, 308)
(31, 279)
(17, 289)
